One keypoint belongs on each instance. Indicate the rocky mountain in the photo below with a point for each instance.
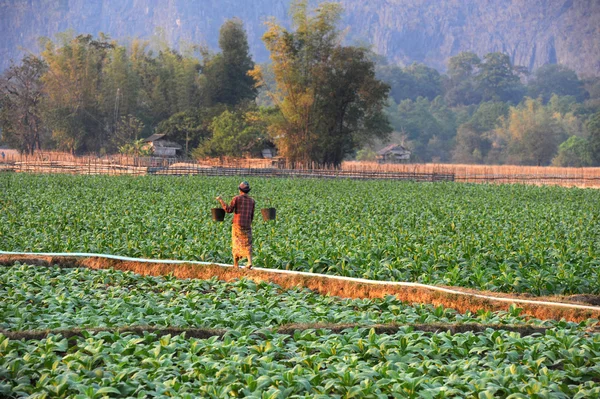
(532, 32)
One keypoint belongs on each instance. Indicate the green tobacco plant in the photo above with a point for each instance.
(512, 238)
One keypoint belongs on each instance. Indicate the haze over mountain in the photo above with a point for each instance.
(532, 32)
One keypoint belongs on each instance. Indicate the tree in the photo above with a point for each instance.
(425, 124)
(21, 96)
(72, 85)
(470, 146)
(136, 148)
(329, 100)
(234, 134)
(189, 129)
(352, 113)
(226, 74)
(556, 79)
(366, 155)
(461, 88)
(575, 152)
(426, 81)
(488, 115)
(463, 66)
(127, 129)
(416, 80)
(167, 83)
(118, 94)
(499, 80)
(531, 132)
(593, 129)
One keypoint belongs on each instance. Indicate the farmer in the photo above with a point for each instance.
(242, 207)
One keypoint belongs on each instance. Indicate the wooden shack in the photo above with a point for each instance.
(162, 147)
(393, 153)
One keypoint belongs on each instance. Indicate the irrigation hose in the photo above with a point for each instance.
(298, 273)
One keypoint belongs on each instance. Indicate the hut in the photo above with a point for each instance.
(393, 153)
(162, 147)
(268, 153)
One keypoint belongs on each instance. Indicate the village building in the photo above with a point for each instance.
(393, 153)
(162, 147)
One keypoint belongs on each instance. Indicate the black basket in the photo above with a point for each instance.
(218, 214)
(268, 214)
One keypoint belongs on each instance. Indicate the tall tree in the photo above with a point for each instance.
(470, 146)
(191, 128)
(556, 79)
(234, 134)
(118, 94)
(429, 127)
(461, 88)
(531, 133)
(411, 82)
(73, 86)
(21, 96)
(499, 80)
(329, 99)
(226, 74)
(575, 152)
(488, 115)
(593, 129)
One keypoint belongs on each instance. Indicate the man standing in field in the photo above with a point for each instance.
(242, 207)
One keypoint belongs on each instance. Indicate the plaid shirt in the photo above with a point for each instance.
(242, 207)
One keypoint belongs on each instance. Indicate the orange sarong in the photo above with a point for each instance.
(241, 241)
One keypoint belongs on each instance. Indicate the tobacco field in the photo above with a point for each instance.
(252, 359)
(511, 238)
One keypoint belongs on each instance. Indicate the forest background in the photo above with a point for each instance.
(319, 100)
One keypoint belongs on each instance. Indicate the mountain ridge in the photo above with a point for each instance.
(532, 32)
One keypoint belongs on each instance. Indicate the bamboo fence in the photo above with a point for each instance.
(57, 162)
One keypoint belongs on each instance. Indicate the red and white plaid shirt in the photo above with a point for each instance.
(242, 207)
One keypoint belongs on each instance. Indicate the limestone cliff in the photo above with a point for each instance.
(533, 32)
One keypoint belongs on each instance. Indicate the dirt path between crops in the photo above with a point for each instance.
(205, 333)
(340, 288)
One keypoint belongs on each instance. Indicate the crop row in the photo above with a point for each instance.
(38, 298)
(252, 361)
(309, 364)
(539, 240)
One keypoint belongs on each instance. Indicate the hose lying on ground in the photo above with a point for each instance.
(319, 275)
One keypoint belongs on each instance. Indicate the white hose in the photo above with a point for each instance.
(298, 273)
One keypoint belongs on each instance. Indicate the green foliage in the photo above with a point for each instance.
(541, 240)
(461, 86)
(226, 75)
(530, 134)
(136, 148)
(117, 299)
(429, 127)
(471, 147)
(21, 97)
(556, 79)
(593, 129)
(251, 360)
(327, 94)
(234, 134)
(90, 94)
(90, 85)
(72, 84)
(189, 129)
(575, 152)
(366, 154)
(411, 82)
(127, 129)
(488, 116)
(499, 80)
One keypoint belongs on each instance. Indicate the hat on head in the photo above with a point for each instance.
(244, 187)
